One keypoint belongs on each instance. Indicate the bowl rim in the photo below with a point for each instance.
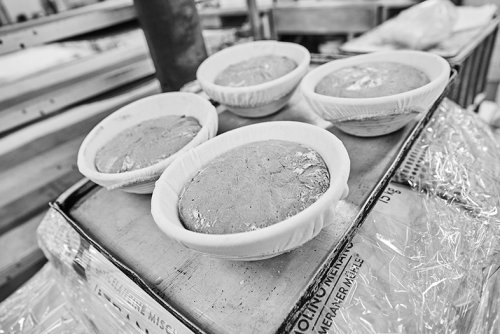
(141, 175)
(336, 189)
(308, 85)
(301, 67)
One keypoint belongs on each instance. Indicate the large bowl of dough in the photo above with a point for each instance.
(376, 93)
(254, 79)
(254, 192)
(129, 149)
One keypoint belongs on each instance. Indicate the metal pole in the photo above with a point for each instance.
(254, 18)
(173, 33)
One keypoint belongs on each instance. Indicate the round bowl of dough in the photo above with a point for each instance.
(255, 192)
(254, 79)
(377, 93)
(130, 148)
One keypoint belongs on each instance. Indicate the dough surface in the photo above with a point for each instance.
(255, 71)
(253, 186)
(145, 144)
(372, 80)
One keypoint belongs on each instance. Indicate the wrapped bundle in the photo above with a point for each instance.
(422, 26)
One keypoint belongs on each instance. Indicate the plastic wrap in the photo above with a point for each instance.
(422, 26)
(55, 303)
(426, 259)
(418, 265)
(61, 298)
(436, 26)
(40, 307)
(51, 303)
(82, 291)
(457, 158)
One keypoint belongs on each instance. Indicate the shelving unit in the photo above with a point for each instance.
(91, 18)
(38, 96)
(65, 25)
(45, 116)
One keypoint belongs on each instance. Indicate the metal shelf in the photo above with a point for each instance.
(37, 96)
(64, 25)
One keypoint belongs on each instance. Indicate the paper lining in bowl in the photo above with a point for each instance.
(257, 100)
(142, 180)
(269, 241)
(378, 109)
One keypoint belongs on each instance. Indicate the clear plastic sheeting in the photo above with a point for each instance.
(55, 303)
(426, 259)
(417, 265)
(67, 296)
(40, 306)
(425, 269)
(435, 25)
(82, 289)
(422, 26)
(461, 165)
(457, 158)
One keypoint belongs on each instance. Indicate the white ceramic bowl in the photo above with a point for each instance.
(142, 180)
(269, 241)
(258, 100)
(379, 115)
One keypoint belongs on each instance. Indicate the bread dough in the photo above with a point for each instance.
(372, 80)
(255, 71)
(253, 186)
(145, 144)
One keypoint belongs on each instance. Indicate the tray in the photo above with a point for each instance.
(216, 296)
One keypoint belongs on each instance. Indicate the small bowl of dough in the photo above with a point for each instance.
(254, 192)
(377, 93)
(254, 79)
(129, 149)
